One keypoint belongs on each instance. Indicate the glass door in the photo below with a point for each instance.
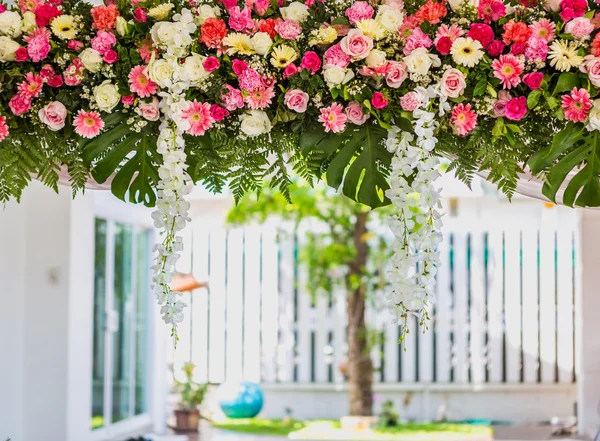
(121, 316)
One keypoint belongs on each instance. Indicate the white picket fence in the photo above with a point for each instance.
(505, 313)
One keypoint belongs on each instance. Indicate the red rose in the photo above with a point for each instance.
(56, 81)
(482, 33)
(2, 8)
(495, 48)
(444, 45)
(212, 32)
(44, 14)
(517, 49)
(21, 55)
(533, 80)
(311, 61)
(218, 113)
(516, 108)
(211, 64)
(291, 69)
(128, 99)
(379, 101)
(238, 66)
(110, 56)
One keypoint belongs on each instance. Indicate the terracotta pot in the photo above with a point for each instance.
(187, 420)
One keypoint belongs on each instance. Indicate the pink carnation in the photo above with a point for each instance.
(417, 39)
(571, 9)
(232, 98)
(75, 45)
(103, 41)
(359, 11)
(38, 48)
(411, 101)
(537, 50)
(336, 56)
(576, 105)
(516, 108)
(288, 30)
(199, 118)
(508, 69)
(3, 126)
(580, 28)
(464, 119)
(333, 118)
(250, 80)
(88, 124)
(240, 19)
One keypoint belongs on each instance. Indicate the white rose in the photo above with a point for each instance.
(336, 75)
(91, 59)
(255, 122)
(160, 71)
(390, 18)
(164, 32)
(207, 11)
(122, 26)
(28, 23)
(552, 5)
(261, 43)
(10, 24)
(594, 117)
(193, 69)
(418, 61)
(375, 58)
(107, 96)
(8, 47)
(296, 11)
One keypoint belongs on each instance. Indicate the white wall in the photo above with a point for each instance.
(46, 314)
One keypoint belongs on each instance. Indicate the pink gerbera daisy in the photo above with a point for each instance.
(260, 98)
(464, 119)
(3, 128)
(199, 117)
(140, 83)
(508, 69)
(88, 124)
(41, 33)
(452, 32)
(32, 86)
(543, 29)
(29, 5)
(333, 118)
(576, 105)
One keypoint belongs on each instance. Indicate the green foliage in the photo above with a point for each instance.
(355, 160)
(388, 416)
(575, 149)
(192, 393)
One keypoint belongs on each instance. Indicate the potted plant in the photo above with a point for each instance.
(191, 396)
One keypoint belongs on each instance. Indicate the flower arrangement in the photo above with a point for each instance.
(365, 93)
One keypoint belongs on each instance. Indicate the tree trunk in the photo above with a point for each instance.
(360, 367)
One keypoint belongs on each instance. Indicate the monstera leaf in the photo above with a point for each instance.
(130, 156)
(576, 148)
(355, 160)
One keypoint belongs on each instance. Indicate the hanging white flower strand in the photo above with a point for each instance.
(417, 224)
(171, 213)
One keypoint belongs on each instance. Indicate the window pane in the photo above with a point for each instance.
(99, 317)
(141, 323)
(123, 306)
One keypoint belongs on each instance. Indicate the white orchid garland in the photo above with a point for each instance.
(417, 224)
(171, 213)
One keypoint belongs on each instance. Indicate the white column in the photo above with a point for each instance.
(589, 325)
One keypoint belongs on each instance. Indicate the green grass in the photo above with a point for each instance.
(331, 430)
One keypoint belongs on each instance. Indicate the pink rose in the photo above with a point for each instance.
(47, 71)
(396, 74)
(56, 81)
(110, 56)
(218, 113)
(211, 64)
(139, 15)
(128, 99)
(19, 104)
(311, 61)
(504, 97)
(2, 8)
(359, 11)
(534, 80)
(261, 6)
(495, 48)
(410, 102)
(591, 66)
(53, 115)
(149, 111)
(518, 48)
(290, 69)
(379, 101)
(336, 56)
(453, 83)
(443, 45)
(75, 45)
(296, 100)
(516, 108)
(103, 41)
(238, 66)
(21, 55)
(356, 44)
(355, 114)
